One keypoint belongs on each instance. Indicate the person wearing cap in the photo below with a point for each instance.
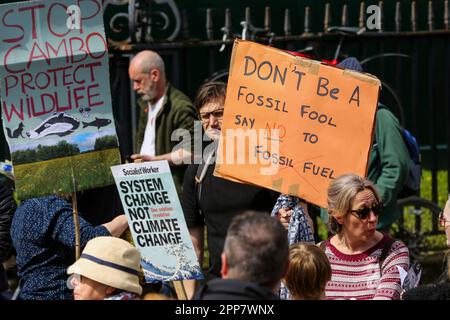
(388, 160)
(389, 157)
(108, 269)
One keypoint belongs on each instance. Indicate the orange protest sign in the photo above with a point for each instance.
(292, 124)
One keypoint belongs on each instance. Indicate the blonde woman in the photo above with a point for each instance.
(355, 251)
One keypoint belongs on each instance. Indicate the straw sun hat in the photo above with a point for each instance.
(111, 261)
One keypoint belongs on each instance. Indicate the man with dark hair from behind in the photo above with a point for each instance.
(254, 260)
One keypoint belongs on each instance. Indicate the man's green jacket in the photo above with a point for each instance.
(177, 113)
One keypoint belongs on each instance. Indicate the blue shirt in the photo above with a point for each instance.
(43, 235)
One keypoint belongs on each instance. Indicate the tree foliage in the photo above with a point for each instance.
(106, 142)
(43, 153)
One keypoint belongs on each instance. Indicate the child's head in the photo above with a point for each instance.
(309, 271)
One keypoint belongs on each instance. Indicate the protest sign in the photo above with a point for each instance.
(292, 124)
(156, 221)
(55, 96)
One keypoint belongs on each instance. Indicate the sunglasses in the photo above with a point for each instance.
(204, 116)
(364, 212)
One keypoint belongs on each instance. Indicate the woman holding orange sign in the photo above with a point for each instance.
(212, 201)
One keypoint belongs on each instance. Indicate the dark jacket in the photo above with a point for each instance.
(227, 289)
(44, 238)
(177, 112)
(439, 291)
(220, 201)
(7, 209)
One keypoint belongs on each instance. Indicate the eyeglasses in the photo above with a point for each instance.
(364, 212)
(204, 116)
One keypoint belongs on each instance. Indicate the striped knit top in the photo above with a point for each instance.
(358, 276)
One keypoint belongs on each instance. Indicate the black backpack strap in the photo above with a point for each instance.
(201, 172)
(199, 176)
(384, 253)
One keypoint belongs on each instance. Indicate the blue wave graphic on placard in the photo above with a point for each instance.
(152, 269)
(184, 268)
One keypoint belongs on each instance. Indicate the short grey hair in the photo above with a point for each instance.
(256, 248)
(341, 193)
(156, 62)
(147, 60)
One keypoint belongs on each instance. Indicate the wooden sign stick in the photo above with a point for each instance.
(76, 224)
(179, 289)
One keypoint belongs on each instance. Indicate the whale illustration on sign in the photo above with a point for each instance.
(58, 124)
(98, 122)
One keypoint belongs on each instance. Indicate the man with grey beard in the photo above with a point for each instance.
(162, 109)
